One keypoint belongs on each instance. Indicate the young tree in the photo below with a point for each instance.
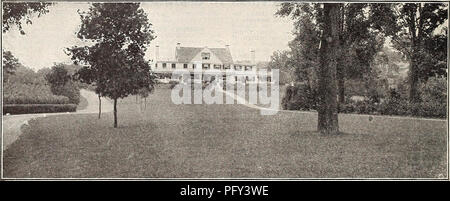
(417, 22)
(115, 63)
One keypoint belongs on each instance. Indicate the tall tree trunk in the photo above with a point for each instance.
(115, 113)
(328, 115)
(416, 31)
(341, 86)
(340, 68)
(413, 82)
(99, 106)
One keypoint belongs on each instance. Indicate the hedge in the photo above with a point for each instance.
(38, 108)
(20, 93)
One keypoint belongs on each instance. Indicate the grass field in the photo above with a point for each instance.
(223, 141)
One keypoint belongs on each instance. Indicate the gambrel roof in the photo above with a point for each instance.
(186, 54)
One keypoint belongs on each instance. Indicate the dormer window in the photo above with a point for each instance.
(164, 65)
(173, 65)
(217, 66)
(206, 55)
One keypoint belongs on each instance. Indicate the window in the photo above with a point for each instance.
(156, 65)
(194, 65)
(205, 56)
(226, 66)
(173, 65)
(164, 65)
(248, 68)
(205, 66)
(237, 67)
(217, 66)
(184, 65)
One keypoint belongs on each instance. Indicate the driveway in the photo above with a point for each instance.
(12, 124)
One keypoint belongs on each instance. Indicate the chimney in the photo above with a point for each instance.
(252, 59)
(156, 53)
(178, 45)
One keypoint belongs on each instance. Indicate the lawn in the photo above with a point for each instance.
(224, 141)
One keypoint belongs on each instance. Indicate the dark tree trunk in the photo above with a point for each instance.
(414, 82)
(99, 106)
(341, 87)
(416, 39)
(329, 51)
(340, 68)
(115, 113)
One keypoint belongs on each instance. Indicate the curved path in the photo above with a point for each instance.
(12, 124)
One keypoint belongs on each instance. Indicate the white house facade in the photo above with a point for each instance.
(208, 61)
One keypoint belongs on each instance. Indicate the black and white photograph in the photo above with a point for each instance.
(224, 90)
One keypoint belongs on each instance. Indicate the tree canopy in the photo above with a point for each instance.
(14, 13)
(120, 33)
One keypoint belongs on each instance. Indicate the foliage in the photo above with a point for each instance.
(58, 76)
(120, 33)
(38, 108)
(115, 63)
(9, 64)
(279, 60)
(21, 93)
(61, 83)
(28, 87)
(417, 39)
(299, 97)
(14, 13)
(434, 90)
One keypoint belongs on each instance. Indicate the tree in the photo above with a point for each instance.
(417, 24)
(115, 62)
(320, 46)
(10, 63)
(279, 60)
(15, 12)
(61, 83)
(360, 38)
(329, 53)
(58, 76)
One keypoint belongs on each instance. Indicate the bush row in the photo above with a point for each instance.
(432, 104)
(20, 93)
(37, 108)
(396, 107)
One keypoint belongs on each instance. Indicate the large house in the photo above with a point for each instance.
(207, 61)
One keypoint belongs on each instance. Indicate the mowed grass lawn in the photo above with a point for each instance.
(223, 141)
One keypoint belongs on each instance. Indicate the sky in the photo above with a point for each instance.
(244, 26)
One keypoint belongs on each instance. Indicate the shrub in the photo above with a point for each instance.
(299, 97)
(38, 108)
(69, 90)
(20, 93)
(434, 90)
